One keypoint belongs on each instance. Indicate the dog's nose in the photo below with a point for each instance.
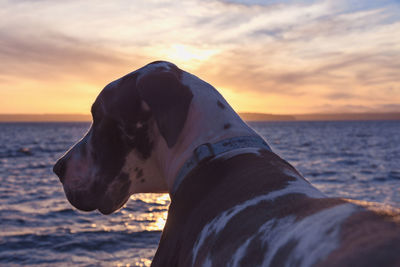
(59, 169)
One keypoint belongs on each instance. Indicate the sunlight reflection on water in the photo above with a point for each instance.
(155, 217)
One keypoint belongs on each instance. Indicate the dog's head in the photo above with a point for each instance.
(115, 158)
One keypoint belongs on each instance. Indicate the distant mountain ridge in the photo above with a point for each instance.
(349, 116)
(247, 116)
(322, 116)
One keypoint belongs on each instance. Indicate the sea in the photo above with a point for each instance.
(38, 227)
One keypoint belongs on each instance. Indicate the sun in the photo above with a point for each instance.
(186, 53)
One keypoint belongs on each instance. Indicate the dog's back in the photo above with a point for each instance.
(255, 210)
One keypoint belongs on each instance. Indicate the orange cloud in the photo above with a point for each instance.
(264, 56)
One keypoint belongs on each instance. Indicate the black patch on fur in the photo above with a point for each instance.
(255, 252)
(227, 126)
(169, 101)
(219, 103)
(123, 104)
(116, 112)
(124, 184)
(108, 148)
(124, 187)
(283, 253)
(123, 176)
(139, 173)
(142, 180)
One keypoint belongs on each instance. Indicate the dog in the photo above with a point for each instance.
(234, 202)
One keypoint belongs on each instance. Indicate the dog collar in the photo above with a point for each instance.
(208, 151)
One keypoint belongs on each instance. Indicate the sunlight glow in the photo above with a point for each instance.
(161, 199)
(155, 217)
(186, 53)
(187, 56)
(160, 221)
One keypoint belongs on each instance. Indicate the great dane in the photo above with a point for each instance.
(233, 201)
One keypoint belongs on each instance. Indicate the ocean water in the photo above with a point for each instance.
(38, 227)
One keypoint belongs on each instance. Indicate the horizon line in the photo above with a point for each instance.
(246, 116)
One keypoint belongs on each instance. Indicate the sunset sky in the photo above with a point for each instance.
(280, 57)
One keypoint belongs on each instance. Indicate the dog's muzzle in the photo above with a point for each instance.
(60, 168)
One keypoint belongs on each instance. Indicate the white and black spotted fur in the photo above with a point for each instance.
(246, 207)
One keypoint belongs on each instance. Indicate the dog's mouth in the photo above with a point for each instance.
(83, 194)
(81, 200)
(89, 187)
(85, 201)
(108, 209)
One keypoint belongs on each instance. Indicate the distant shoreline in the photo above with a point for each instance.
(321, 117)
(247, 116)
(45, 118)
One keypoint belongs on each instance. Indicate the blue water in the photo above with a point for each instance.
(359, 160)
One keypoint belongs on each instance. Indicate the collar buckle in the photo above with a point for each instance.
(202, 152)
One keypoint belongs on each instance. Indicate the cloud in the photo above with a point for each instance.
(340, 95)
(329, 55)
(389, 107)
(49, 55)
(326, 51)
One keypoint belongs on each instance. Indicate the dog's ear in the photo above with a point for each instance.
(169, 101)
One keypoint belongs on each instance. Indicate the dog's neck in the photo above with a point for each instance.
(209, 120)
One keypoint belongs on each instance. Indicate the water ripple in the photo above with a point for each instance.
(358, 160)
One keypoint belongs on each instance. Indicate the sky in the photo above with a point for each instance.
(279, 57)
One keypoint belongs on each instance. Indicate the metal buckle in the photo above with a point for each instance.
(203, 152)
